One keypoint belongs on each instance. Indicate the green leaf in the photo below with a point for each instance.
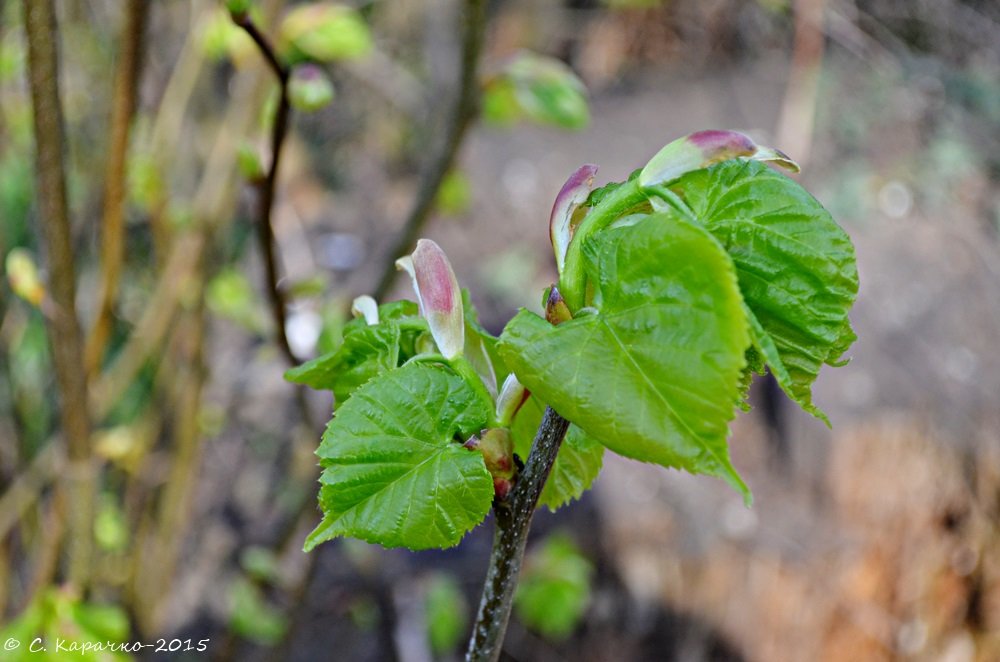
(394, 472)
(555, 588)
(367, 351)
(544, 89)
(577, 464)
(323, 32)
(446, 611)
(795, 266)
(599, 194)
(654, 373)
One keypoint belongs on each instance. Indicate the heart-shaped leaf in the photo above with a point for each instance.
(653, 373)
(795, 265)
(394, 473)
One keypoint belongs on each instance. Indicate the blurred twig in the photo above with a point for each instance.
(62, 325)
(798, 111)
(267, 185)
(113, 219)
(28, 485)
(179, 491)
(463, 112)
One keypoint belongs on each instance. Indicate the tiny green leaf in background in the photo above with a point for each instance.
(309, 88)
(252, 616)
(446, 611)
(230, 295)
(22, 274)
(323, 32)
(394, 471)
(59, 613)
(455, 194)
(555, 588)
(540, 88)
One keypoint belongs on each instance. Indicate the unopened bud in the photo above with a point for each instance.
(438, 294)
(309, 89)
(702, 149)
(497, 448)
(556, 310)
(573, 193)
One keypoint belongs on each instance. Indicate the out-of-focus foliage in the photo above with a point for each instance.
(309, 89)
(538, 88)
(323, 32)
(554, 591)
(60, 615)
(446, 611)
(252, 616)
(455, 195)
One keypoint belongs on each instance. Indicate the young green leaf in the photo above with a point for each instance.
(367, 351)
(653, 373)
(393, 471)
(577, 464)
(795, 266)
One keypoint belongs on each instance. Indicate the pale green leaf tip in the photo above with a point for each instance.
(366, 307)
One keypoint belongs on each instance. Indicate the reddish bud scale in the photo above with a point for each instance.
(556, 310)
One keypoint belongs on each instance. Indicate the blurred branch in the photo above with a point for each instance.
(266, 186)
(28, 486)
(513, 520)
(179, 491)
(462, 114)
(62, 325)
(798, 111)
(115, 177)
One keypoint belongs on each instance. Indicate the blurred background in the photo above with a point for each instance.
(874, 540)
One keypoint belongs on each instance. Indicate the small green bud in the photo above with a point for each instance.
(248, 162)
(309, 89)
(497, 447)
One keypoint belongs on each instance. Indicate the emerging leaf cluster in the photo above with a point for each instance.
(677, 294)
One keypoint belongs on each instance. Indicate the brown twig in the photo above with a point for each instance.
(113, 218)
(62, 325)
(267, 185)
(463, 111)
(513, 520)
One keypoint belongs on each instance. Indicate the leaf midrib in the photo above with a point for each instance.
(652, 386)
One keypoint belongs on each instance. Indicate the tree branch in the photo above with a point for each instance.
(464, 110)
(267, 185)
(113, 220)
(62, 325)
(513, 520)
